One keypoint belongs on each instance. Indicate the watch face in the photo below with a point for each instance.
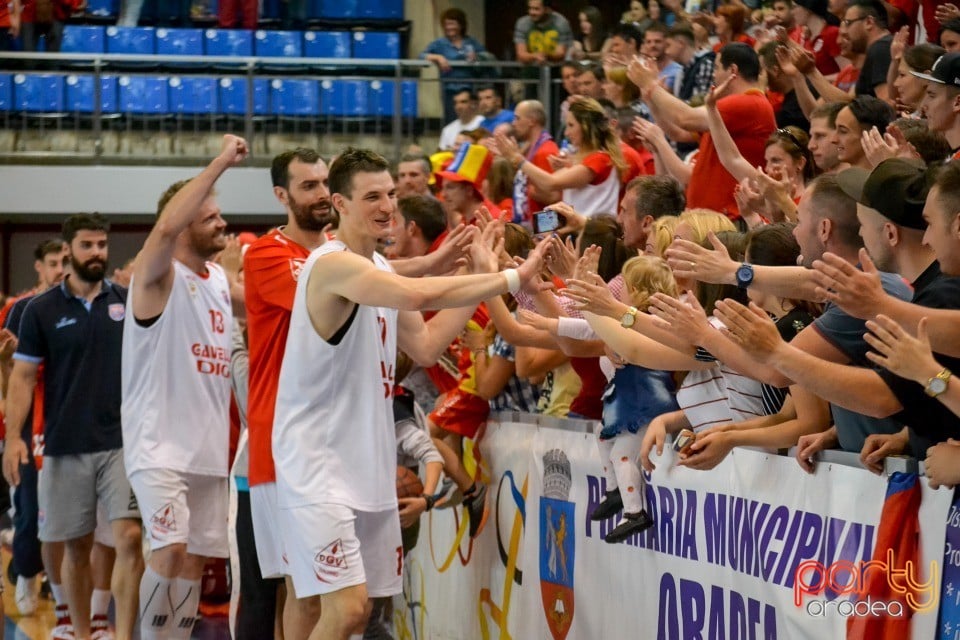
(628, 319)
(744, 274)
(937, 385)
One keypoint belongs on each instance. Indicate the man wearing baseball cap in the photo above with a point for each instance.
(462, 187)
(941, 102)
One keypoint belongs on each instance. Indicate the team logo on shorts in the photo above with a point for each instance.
(330, 562)
(116, 312)
(163, 522)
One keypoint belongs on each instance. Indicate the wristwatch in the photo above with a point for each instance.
(628, 319)
(938, 383)
(744, 275)
(430, 500)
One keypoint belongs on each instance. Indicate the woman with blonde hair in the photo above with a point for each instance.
(591, 181)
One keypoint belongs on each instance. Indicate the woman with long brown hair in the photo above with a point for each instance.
(591, 181)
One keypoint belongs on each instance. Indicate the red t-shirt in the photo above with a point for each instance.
(600, 164)
(749, 118)
(847, 78)
(271, 267)
(825, 49)
(62, 9)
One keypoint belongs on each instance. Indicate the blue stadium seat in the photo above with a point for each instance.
(228, 42)
(143, 94)
(179, 42)
(354, 9)
(326, 44)
(192, 95)
(278, 44)
(381, 98)
(38, 92)
(132, 40)
(6, 92)
(381, 9)
(348, 98)
(80, 95)
(376, 44)
(83, 39)
(294, 97)
(103, 8)
(232, 96)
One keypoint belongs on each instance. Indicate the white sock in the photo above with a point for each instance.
(185, 595)
(100, 602)
(156, 612)
(58, 595)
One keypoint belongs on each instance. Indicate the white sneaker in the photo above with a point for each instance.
(62, 632)
(26, 595)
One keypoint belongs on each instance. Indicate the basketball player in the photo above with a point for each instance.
(271, 266)
(176, 394)
(334, 444)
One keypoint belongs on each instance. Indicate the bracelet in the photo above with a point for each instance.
(513, 280)
(520, 164)
(430, 500)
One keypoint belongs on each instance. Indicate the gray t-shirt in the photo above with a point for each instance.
(846, 333)
(543, 36)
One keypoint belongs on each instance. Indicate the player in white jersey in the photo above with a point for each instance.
(334, 443)
(176, 394)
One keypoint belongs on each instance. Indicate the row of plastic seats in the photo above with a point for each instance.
(318, 9)
(160, 95)
(230, 42)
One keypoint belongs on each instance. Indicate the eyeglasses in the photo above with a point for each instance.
(849, 21)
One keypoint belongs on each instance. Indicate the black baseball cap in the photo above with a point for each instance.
(946, 70)
(897, 189)
(816, 7)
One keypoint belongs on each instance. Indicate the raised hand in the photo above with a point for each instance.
(750, 328)
(901, 353)
(858, 292)
(690, 261)
(234, 149)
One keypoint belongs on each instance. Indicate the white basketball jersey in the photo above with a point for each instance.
(176, 379)
(333, 434)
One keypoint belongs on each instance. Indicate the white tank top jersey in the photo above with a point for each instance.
(334, 440)
(176, 379)
(595, 199)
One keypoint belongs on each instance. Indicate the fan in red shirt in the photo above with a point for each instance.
(819, 38)
(271, 267)
(746, 113)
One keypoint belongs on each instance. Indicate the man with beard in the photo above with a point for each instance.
(529, 122)
(75, 331)
(940, 104)
(175, 407)
(271, 267)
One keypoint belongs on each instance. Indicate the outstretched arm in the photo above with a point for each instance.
(153, 269)
(730, 156)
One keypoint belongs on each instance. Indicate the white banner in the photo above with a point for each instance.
(720, 561)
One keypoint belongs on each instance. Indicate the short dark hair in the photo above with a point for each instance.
(742, 55)
(48, 246)
(592, 67)
(657, 27)
(873, 9)
(658, 196)
(953, 24)
(280, 167)
(773, 245)
(455, 14)
(83, 222)
(931, 145)
(626, 31)
(422, 158)
(872, 112)
(491, 87)
(351, 162)
(947, 180)
(833, 203)
(682, 30)
(470, 93)
(427, 212)
(828, 111)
